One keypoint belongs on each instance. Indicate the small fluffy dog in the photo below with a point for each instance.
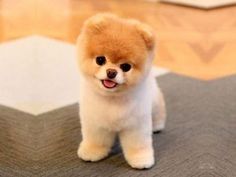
(118, 93)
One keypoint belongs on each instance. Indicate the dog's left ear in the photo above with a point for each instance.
(99, 22)
(146, 33)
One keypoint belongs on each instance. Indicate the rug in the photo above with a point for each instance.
(199, 139)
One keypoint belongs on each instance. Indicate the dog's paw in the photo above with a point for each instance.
(92, 153)
(142, 160)
(158, 127)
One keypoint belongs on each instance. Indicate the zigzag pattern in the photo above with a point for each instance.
(199, 140)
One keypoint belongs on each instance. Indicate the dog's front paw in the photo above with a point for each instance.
(158, 127)
(141, 159)
(92, 152)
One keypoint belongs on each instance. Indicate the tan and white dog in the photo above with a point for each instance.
(118, 94)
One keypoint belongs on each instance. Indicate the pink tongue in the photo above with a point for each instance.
(109, 83)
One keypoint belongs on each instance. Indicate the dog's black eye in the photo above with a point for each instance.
(100, 60)
(125, 67)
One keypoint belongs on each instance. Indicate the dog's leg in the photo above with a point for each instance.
(158, 111)
(137, 146)
(96, 143)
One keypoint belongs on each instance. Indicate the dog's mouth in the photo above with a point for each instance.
(109, 84)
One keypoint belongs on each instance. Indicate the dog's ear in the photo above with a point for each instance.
(99, 22)
(146, 33)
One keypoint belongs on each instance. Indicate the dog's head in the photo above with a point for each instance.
(115, 54)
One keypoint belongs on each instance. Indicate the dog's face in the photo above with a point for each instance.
(114, 54)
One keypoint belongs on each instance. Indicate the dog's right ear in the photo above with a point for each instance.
(98, 23)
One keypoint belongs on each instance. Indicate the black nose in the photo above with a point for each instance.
(111, 73)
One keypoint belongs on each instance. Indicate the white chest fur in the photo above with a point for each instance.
(117, 112)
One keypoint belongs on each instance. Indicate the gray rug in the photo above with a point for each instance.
(199, 140)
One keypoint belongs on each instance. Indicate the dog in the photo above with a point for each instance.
(118, 94)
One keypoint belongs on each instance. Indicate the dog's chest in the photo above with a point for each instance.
(114, 115)
(110, 113)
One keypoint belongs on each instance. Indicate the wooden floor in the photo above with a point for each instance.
(192, 42)
(199, 140)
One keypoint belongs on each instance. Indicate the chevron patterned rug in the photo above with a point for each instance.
(199, 140)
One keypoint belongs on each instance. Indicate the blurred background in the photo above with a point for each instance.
(194, 38)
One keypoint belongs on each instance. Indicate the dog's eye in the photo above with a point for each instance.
(125, 67)
(100, 60)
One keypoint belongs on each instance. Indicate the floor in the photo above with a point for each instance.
(194, 42)
(197, 142)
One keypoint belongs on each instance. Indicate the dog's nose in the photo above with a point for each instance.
(111, 73)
